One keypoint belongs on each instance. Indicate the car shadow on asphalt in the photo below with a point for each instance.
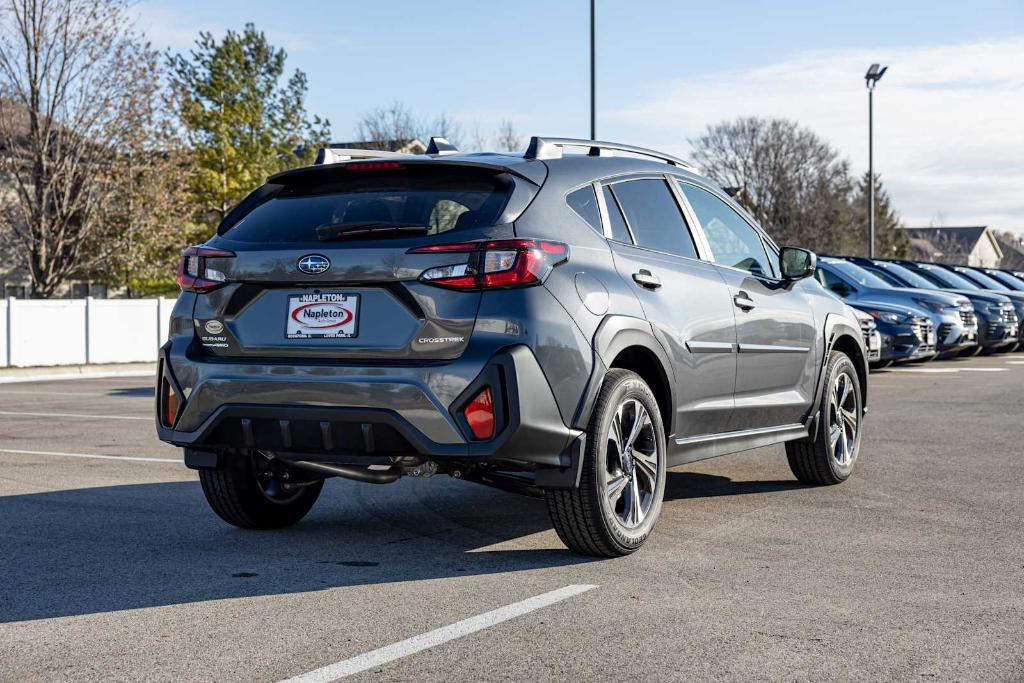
(684, 485)
(105, 549)
(94, 550)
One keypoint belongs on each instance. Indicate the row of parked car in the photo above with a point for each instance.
(914, 312)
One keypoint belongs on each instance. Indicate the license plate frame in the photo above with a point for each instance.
(334, 307)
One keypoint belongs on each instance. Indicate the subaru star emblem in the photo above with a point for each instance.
(314, 264)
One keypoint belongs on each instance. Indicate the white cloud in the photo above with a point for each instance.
(949, 120)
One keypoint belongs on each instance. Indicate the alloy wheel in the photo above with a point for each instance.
(631, 464)
(843, 420)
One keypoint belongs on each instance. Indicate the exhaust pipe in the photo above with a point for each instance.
(357, 473)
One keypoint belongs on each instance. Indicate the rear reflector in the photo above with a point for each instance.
(171, 404)
(496, 263)
(480, 414)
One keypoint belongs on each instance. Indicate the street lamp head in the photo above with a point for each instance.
(874, 74)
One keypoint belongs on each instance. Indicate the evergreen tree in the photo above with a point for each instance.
(241, 122)
(890, 240)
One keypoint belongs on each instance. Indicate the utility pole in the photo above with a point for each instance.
(593, 79)
(871, 78)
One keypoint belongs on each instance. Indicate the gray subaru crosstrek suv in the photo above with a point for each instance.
(569, 325)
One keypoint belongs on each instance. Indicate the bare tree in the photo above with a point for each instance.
(478, 140)
(388, 128)
(446, 127)
(790, 179)
(508, 139)
(74, 77)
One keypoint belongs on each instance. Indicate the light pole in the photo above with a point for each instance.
(871, 78)
(593, 108)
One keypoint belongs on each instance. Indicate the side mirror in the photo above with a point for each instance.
(797, 263)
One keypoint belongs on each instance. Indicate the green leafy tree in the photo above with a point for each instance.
(241, 121)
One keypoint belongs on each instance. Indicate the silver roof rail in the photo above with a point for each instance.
(551, 148)
(336, 155)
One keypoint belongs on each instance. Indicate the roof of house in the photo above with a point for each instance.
(1013, 253)
(961, 240)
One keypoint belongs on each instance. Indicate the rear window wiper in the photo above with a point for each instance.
(368, 229)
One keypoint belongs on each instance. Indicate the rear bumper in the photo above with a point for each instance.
(368, 414)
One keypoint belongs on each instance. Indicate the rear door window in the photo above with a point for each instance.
(654, 217)
(440, 200)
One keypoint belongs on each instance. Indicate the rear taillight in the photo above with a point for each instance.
(193, 273)
(170, 403)
(480, 414)
(496, 263)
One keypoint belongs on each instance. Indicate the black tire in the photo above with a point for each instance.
(817, 461)
(880, 364)
(235, 493)
(585, 518)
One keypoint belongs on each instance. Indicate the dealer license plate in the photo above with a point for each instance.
(322, 315)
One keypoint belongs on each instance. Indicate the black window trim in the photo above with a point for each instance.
(683, 211)
(761, 234)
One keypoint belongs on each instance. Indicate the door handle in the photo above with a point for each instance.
(646, 279)
(743, 301)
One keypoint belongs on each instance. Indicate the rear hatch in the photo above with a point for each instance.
(317, 264)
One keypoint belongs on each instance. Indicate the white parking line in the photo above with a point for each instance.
(91, 455)
(76, 415)
(1015, 362)
(424, 641)
(4, 391)
(946, 370)
(927, 370)
(84, 375)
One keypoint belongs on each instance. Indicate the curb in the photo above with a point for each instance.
(49, 374)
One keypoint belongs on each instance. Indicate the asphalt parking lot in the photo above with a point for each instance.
(114, 568)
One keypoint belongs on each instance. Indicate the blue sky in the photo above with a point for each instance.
(950, 144)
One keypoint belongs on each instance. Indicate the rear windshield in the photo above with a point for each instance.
(440, 202)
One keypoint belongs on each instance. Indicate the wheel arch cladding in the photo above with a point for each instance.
(849, 345)
(644, 362)
(628, 343)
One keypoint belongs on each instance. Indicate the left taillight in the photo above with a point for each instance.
(194, 275)
(495, 264)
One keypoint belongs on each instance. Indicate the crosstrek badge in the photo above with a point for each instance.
(322, 315)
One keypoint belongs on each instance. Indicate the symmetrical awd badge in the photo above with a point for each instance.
(314, 264)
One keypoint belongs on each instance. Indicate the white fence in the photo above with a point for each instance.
(81, 331)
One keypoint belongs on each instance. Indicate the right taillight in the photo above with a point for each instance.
(495, 263)
(193, 273)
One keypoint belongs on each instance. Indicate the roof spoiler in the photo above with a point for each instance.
(551, 148)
